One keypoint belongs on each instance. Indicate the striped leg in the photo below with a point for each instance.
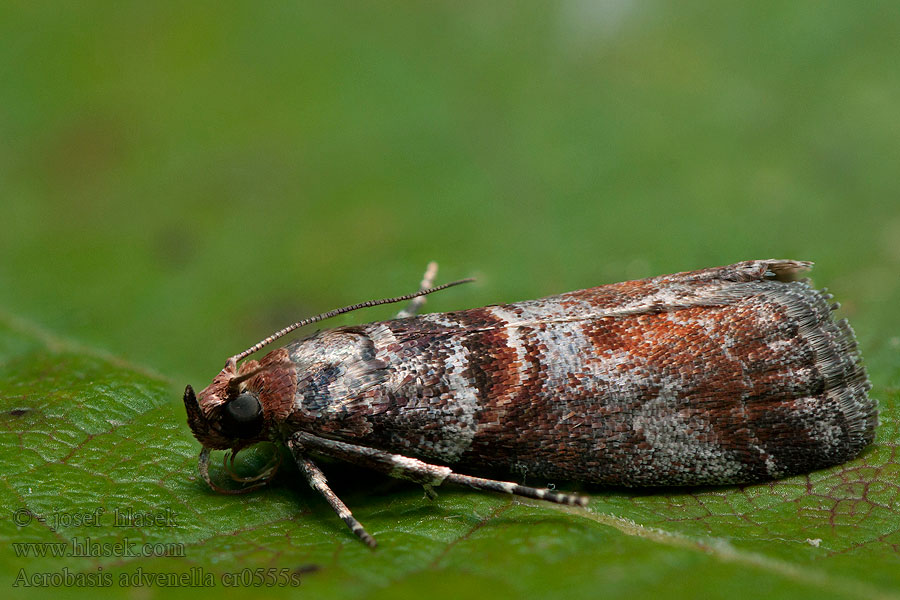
(317, 481)
(415, 305)
(404, 467)
(507, 487)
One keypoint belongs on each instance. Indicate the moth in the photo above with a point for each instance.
(728, 375)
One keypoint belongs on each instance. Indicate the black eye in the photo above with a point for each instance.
(243, 416)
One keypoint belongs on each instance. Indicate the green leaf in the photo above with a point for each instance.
(86, 437)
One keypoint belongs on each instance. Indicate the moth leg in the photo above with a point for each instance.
(415, 305)
(429, 491)
(317, 481)
(404, 467)
(493, 485)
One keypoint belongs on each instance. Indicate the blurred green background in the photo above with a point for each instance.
(179, 179)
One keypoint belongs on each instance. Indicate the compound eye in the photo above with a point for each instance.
(243, 416)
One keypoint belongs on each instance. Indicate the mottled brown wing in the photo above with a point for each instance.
(726, 375)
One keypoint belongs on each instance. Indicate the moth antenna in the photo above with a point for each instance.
(339, 311)
(235, 381)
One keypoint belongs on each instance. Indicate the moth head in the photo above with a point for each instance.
(234, 423)
(238, 409)
(242, 416)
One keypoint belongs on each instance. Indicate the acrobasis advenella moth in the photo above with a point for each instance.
(727, 375)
